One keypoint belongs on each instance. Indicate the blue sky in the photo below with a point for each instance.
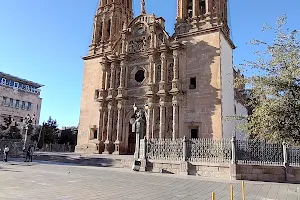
(43, 41)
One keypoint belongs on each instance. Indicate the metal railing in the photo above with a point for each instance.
(245, 151)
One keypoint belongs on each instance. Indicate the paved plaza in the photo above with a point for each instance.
(45, 180)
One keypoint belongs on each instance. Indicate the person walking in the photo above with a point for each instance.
(5, 151)
(29, 154)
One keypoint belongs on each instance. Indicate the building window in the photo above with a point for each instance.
(140, 76)
(16, 84)
(23, 105)
(96, 95)
(194, 133)
(190, 9)
(3, 81)
(4, 101)
(202, 7)
(193, 83)
(95, 133)
(37, 107)
(17, 104)
(108, 28)
(100, 34)
(11, 102)
(29, 106)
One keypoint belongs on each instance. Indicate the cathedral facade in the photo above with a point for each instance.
(185, 80)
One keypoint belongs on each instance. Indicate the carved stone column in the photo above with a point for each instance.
(119, 128)
(150, 91)
(162, 122)
(209, 7)
(153, 126)
(102, 91)
(162, 83)
(95, 38)
(107, 79)
(149, 118)
(102, 127)
(108, 142)
(184, 8)
(104, 124)
(175, 118)
(175, 81)
(111, 90)
(122, 80)
(195, 8)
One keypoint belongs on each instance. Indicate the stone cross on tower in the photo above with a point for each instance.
(143, 10)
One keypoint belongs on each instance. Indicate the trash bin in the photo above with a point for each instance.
(136, 165)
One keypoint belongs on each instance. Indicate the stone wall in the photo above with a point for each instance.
(268, 173)
(198, 169)
(210, 170)
(261, 173)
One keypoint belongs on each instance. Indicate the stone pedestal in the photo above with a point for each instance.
(234, 172)
(108, 147)
(143, 167)
(184, 168)
(118, 150)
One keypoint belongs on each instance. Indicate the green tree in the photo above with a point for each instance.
(9, 129)
(48, 132)
(275, 86)
(68, 136)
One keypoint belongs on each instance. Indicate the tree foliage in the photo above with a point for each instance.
(68, 136)
(274, 83)
(47, 133)
(9, 129)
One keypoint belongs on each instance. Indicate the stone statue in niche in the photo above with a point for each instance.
(170, 72)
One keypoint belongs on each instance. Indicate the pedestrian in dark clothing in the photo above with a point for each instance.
(29, 154)
(5, 152)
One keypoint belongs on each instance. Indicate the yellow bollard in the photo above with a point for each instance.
(243, 190)
(231, 192)
(213, 196)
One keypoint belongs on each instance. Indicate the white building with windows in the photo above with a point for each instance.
(19, 97)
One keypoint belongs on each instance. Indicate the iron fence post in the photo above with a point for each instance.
(233, 150)
(285, 154)
(184, 151)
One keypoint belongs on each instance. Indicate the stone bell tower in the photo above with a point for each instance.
(109, 20)
(202, 15)
(202, 26)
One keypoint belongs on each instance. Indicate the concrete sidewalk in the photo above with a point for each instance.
(48, 181)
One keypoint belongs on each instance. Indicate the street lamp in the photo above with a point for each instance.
(29, 121)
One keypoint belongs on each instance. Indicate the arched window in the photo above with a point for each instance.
(190, 8)
(3, 81)
(158, 73)
(108, 28)
(100, 31)
(202, 7)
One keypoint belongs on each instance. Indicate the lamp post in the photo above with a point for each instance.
(29, 121)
